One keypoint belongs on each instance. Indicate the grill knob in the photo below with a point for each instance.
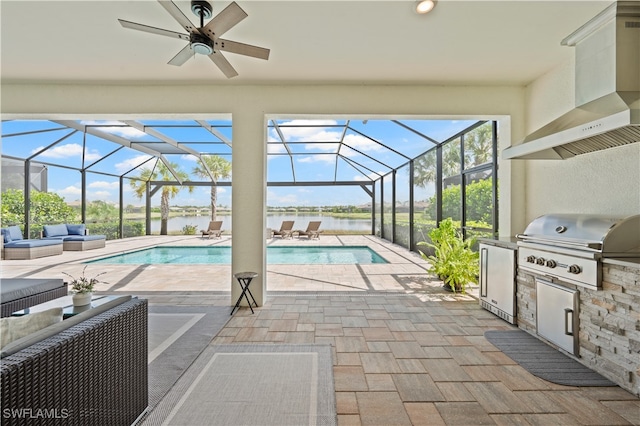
(574, 269)
(531, 259)
(551, 264)
(540, 261)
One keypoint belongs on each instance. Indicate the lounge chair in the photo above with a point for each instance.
(214, 230)
(312, 231)
(286, 229)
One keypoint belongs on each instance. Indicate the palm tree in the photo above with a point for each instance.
(160, 172)
(478, 145)
(220, 169)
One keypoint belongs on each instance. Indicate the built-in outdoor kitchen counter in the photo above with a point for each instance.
(595, 320)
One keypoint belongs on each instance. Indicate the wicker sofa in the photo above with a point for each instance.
(75, 237)
(16, 247)
(21, 293)
(90, 369)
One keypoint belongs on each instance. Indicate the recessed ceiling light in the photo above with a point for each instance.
(425, 6)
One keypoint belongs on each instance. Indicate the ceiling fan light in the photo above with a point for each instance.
(425, 6)
(202, 48)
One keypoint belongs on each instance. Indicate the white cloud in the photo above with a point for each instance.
(189, 157)
(276, 149)
(309, 133)
(370, 176)
(69, 191)
(126, 131)
(361, 143)
(130, 163)
(101, 195)
(70, 150)
(330, 159)
(104, 184)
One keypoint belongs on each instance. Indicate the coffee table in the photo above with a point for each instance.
(66, 303)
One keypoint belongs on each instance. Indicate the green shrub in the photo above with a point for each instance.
(453, 260)
(189, 229)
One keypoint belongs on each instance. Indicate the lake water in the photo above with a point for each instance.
(273, 221)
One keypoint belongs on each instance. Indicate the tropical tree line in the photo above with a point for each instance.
(211, 167)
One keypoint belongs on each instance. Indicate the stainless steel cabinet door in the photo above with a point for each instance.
(557, 316)
(497, 277)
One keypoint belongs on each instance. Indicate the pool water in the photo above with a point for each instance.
(332, 255)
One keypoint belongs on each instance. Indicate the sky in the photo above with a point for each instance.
(371, 148)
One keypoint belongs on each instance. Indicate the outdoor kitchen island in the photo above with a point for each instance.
(595, 321)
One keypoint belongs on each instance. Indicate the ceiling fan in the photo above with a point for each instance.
(205, 39)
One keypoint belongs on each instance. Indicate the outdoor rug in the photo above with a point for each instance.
(177, 335)
(542, 360)
(267, 384)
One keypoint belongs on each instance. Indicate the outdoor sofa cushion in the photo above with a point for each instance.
(83, 238)
(52, 330)
(14, 328)
(32, 243)
(69, 232)
(15, 233)
(19, 288)
(63, 230)
(55, 230)
(12, 238)
(6, 235)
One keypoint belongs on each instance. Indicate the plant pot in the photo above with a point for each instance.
(81, 299)
(448, 288)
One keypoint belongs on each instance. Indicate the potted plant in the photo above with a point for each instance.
(453, 261)
(82, 287)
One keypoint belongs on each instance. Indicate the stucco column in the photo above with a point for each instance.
(248, 202)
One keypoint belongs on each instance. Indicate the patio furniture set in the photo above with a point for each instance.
(90, 368)
(54, 240)
(286, 230)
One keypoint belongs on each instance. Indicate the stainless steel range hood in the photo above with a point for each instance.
(607, 112)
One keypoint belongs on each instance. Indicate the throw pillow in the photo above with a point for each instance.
(76, 229)
(6, 235)
(15, 232)
(14, 328)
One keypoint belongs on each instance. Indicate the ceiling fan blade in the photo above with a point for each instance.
(224, 21)
(223, 64)
(152, 30)
(182, 56)
(242, 49)
(179, 16)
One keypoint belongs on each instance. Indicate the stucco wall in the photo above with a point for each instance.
(603, 182)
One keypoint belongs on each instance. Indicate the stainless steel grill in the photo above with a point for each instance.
(570, 247)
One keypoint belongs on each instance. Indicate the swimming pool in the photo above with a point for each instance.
(333, 255)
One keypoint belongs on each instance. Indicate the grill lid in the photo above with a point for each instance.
(610, 236)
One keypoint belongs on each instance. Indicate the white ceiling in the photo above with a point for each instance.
(340, 42)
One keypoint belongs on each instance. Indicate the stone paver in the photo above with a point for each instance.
(410, 354)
